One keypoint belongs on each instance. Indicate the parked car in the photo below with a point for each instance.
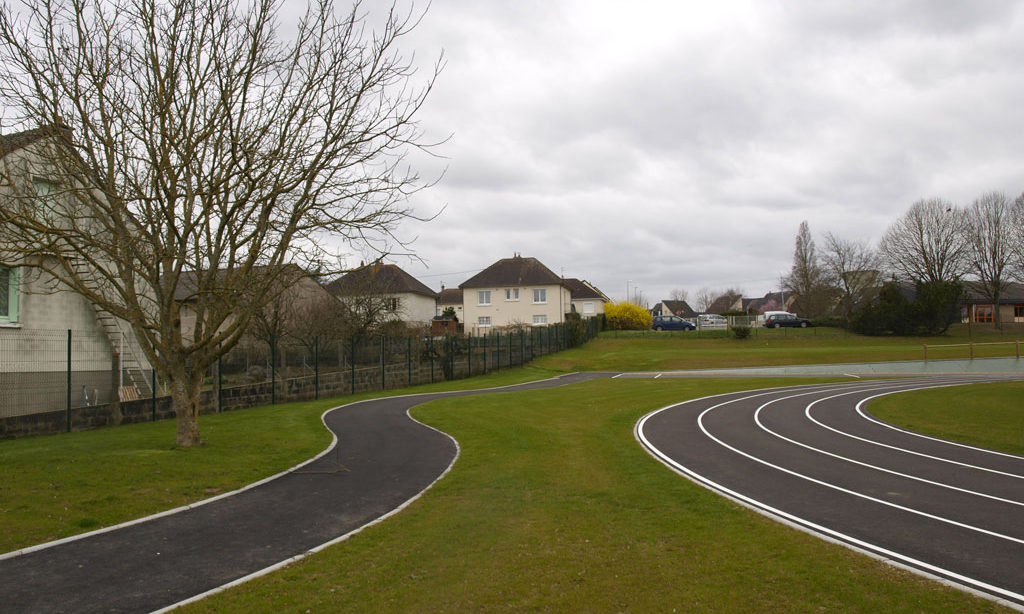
(778, 320)
(672, 323)
(712, 320)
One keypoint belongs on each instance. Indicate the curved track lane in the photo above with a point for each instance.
(381, 459)
(812, 457)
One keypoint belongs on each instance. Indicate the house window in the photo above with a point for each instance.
(540, 320)
(983, 314)
(1018, 313)
(8, 294)
(47, 193)
(540, 295)
(483, 297)
(483, 321)
(393, 304)
(588, 307)
(511, 294)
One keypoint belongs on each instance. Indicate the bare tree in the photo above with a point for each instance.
(854, 267)
(926, 244)
(209, 149)
(1018, 237)
(989, 236)
(678, 294)
(704, 298)
(807, 280)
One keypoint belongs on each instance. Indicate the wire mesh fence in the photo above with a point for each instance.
(43, 370)
(66, 371)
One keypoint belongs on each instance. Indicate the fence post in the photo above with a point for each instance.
(153, 387)
(353, 365)
(431, 359)
(408, 358)
(273, 370)
(220, 386)
(522, 347)
(316, 367)
(383, 385)
(1018, 350)
(485, 353)
(67, 414)
(469, 356)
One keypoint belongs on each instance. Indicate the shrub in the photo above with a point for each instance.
(741, 332)
(627, 316)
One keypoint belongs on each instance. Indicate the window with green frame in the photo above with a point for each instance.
(8, 294)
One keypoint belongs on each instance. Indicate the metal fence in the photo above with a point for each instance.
(48, 371)
(44, 370)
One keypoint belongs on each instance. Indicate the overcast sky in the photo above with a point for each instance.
(680, 144)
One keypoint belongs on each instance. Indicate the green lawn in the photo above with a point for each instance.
(986, 415)
(652, 351)
(60, 485)
(554, 507)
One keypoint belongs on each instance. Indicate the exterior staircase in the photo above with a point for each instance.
(133, 383)
(132, 363)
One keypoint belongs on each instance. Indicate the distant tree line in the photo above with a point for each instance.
(912, 281)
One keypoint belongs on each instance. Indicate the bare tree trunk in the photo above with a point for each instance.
(185, 400)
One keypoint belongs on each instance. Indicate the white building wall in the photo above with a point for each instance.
(596, 307)
(507, 310)
(416, 308)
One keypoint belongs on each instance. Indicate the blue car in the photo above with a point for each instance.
(672, 323)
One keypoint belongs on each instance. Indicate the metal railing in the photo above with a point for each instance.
(44, 371)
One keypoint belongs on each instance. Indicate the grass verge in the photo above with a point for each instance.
(650, 351)
(60, 485)
(553, 506)
(985, 415)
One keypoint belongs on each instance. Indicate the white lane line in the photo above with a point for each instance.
(950, 461)
(853, 493)
(870, 418)
(822, 531)
(757, 420)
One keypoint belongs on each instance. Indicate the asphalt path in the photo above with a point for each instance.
(381, 459)
(813, 457)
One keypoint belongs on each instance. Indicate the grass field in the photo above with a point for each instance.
(60, 485)
(985, 415)
(650, 351)
(552, 505)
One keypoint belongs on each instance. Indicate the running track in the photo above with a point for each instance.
(812, 456)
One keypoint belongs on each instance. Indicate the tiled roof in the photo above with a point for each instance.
(14, 142)
(450, 296)
(384, 278)
(1012, 294)
(188, 280)
(515, 271)
(679, 308)
(581, 289)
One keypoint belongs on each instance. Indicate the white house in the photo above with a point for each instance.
(514, 291)
(406, 298)
(36, 310)
(587, 300)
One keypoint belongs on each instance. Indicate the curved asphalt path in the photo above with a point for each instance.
(381, 459)
(812, 457)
